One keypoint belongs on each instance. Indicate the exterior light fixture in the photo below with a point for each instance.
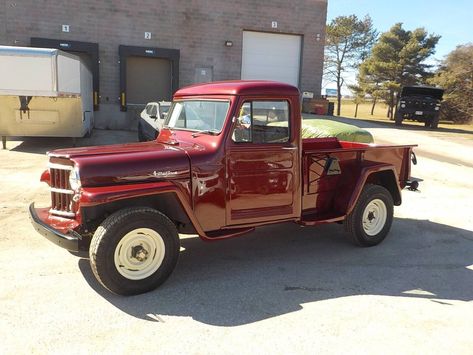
(228, 44)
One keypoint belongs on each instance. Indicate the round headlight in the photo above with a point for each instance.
(403, 105)
(437, 108)
(74, 179)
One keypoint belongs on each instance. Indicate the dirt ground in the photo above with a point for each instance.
(281, 289)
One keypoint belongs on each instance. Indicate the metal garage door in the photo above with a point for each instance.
(147, 79)
(271, 56)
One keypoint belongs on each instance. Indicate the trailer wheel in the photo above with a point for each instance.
(371, 219)
(134, 250)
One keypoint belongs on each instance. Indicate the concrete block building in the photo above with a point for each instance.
(144, 50)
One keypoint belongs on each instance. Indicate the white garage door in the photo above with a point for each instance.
(270, 56)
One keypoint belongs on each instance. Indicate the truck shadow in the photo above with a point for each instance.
(277, 269)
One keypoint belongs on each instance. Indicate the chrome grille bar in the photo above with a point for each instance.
(61, 192)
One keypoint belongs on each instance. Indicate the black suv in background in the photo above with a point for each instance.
(419, 103)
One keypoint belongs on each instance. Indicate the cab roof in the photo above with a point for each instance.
(239, 87)
(435, 92)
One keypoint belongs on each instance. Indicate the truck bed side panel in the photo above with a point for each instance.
(331, 173)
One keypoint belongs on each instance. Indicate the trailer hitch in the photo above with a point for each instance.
(412, 185)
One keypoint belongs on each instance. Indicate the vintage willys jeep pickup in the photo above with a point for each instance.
(229, 158)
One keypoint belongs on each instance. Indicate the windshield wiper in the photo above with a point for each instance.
(212, 132)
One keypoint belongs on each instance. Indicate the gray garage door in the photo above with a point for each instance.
(271, 56)
(147, 79)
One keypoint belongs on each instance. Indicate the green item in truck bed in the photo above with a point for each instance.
(319, 128)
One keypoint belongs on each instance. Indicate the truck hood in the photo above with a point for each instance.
(127, 163)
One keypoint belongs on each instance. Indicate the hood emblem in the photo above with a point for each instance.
(161, 174)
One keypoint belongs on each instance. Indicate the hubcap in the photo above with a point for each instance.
(139, 253)
(374, 217)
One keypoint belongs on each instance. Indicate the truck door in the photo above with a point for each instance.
(262, 163)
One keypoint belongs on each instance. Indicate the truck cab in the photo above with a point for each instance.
(228, 159)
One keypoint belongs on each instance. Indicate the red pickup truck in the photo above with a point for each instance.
(229, 158)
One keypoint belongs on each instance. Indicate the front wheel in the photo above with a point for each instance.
(398, 119)
(371, 219)
(134, 250)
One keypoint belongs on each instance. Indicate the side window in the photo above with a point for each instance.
(242, 131)
(153, 111)
(262, 122)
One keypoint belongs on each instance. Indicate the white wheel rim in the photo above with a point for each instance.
(139, 253)
(374, 217)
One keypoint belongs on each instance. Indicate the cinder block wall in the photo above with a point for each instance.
(197, 28)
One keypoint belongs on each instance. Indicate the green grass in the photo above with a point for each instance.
(380, 115)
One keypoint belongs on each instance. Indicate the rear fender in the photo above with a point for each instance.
(383, 175)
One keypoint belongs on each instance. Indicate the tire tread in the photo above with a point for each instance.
(351, 221)
(101, 235)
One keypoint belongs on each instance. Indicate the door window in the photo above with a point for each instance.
(262, 122)
(153, 111)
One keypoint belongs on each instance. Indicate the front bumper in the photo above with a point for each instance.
(412, 113)
(69, 241)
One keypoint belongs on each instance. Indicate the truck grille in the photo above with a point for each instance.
(61, 192)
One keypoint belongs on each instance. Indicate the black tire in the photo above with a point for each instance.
(435, 122)
(398, 119)
(354, 221)
(110, 233)
(427, 124)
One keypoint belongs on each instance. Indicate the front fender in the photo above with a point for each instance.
(94, 196)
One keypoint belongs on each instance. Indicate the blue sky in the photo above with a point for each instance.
(453, 20)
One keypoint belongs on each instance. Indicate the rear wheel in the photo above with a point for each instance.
(371, 219)
(435, 122)
(134, 250)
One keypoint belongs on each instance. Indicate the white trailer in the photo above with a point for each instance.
(44, 93)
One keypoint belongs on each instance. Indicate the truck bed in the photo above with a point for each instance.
(331, 168)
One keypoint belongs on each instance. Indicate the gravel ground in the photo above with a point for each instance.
(281, 289)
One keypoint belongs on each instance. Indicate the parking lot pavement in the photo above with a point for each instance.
(281, 289)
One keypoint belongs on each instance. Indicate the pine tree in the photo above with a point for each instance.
(398, 59)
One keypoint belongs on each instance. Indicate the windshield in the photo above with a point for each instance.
(197, 115)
